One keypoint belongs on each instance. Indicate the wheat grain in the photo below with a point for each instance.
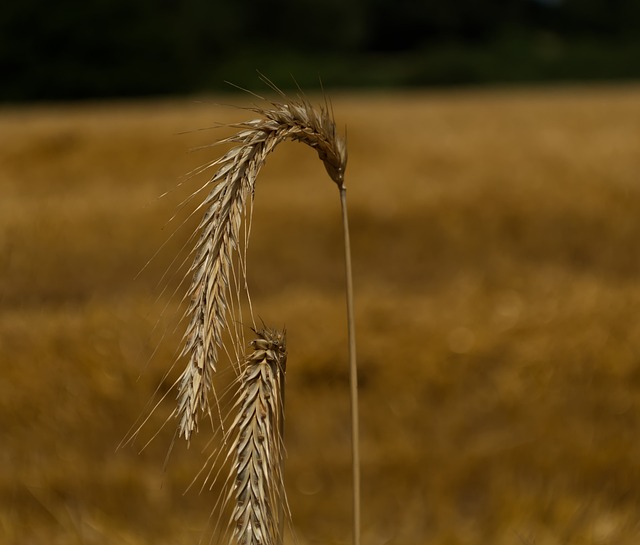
(215, 264)
(258, 512)
(218, 278)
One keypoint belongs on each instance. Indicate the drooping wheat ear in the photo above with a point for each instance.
(258, 513)
(220, 265)
(215, 264)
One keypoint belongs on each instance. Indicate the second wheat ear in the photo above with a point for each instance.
(219, 268)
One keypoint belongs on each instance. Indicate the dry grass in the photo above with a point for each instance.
(258, 486)
(495, 242)
(219, 269)
(219, 273)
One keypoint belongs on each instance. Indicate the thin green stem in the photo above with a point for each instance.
(353, 371)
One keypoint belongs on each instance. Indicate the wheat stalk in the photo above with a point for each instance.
(219, 267)
(258, 513)
(212, 269)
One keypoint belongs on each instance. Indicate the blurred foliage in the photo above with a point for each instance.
(74, 49)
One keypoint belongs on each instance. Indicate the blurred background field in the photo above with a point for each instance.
(494, 193)
(495, 240)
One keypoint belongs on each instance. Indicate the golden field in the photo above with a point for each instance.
(496, 239)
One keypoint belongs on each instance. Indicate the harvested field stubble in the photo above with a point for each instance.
(495, 240)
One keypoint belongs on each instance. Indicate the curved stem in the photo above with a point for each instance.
(353, 371)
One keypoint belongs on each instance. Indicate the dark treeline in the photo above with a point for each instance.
(72, 49)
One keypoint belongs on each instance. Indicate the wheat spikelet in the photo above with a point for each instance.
(216, 261)
(258, 512)
(218, 279)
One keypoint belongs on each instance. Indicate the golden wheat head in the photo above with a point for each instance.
(215, 267)
(258, 512)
